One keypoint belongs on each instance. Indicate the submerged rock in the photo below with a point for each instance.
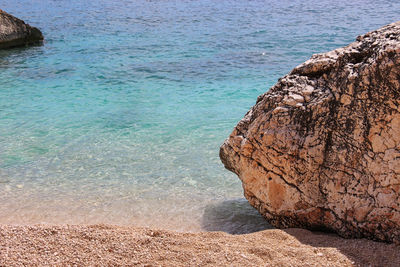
(15, 32)
(321, 149)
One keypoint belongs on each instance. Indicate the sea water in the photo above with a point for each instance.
(119, 116)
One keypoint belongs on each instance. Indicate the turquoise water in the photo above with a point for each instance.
(119, 116)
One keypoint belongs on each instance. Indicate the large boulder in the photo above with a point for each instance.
(321, 148)
(15, 32)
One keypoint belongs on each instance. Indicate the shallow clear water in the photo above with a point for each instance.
(118, 118)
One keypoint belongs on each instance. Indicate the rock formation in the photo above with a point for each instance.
(321, 148)
(15, 32)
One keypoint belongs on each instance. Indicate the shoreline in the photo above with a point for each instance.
(79, 245)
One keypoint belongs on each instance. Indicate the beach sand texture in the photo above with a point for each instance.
(104, 245)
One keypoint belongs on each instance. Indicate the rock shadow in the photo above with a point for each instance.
(238, 217)
(361, 252)
(234, 217)
(22, 53)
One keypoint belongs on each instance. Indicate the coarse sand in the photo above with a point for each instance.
(105, 245)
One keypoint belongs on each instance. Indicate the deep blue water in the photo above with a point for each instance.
(119, 116)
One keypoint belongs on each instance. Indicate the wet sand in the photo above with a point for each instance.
(105, 245)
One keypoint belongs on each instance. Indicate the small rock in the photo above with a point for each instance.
(15, 32)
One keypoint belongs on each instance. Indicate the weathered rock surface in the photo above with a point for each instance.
(321, 149)
(15, 32)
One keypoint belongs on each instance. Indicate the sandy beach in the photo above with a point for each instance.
(105, 245)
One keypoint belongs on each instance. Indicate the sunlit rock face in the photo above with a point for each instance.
(15, 32)
(321, 148)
